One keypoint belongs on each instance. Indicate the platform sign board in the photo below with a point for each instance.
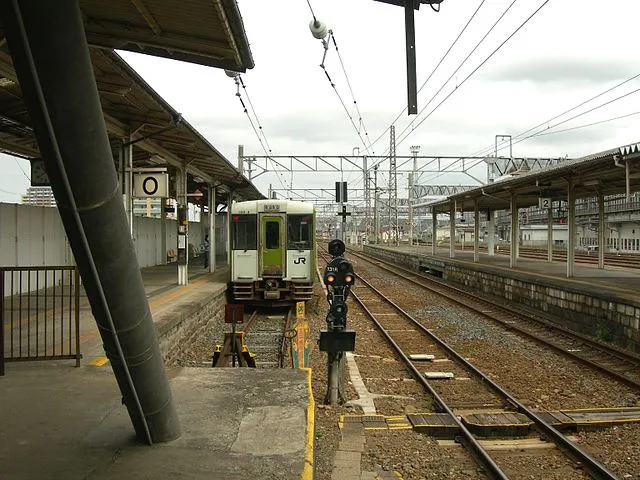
(233, 313)
(151, 185)
(299, 310)
(544, 202)
(301, 345)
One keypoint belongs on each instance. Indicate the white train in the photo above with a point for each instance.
(273, 251)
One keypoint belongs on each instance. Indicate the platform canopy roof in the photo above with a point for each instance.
(132, 109)
(615, 171)
(208, 32)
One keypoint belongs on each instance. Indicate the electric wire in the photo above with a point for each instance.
(246, 111)
(254, 113)
(410, 125)
(344, 106)
(312, 14)
(21, 169)
(503, 143)
(8, 192)
(587, 125)
(400, 140)
(491, 147)
(433, 71)
(355, 103)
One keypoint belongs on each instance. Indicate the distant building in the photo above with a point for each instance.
(39, 197)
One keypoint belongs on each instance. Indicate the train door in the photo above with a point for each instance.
(272, 252)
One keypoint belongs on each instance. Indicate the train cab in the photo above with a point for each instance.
(272, 251)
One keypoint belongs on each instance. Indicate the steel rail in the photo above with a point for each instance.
(514, 313)
(591, 465)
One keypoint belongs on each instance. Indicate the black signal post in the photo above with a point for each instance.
(337, 339)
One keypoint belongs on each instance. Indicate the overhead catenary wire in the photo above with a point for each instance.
(434, 69)
(478, 44)
(253, 110)
(518, 138)
(490, 148)
(496, 50)
(577, 127)
(246, 111)
(355, 103)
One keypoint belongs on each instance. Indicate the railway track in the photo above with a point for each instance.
(264, 335)
(617, 363)
(409, 337)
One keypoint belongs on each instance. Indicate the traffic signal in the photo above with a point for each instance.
(339, 272)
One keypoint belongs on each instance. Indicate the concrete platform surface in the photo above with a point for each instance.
(60, 422)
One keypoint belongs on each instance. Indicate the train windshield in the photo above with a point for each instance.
(299, 229)
(244, 234)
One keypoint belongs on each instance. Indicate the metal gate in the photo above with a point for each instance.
(39, 314)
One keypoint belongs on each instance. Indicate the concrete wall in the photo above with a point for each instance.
(602, 315)
(35, 236)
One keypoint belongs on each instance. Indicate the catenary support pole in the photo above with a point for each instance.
(51, 57)
(601, 230)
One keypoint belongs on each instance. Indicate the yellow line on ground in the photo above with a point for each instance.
(307, 472)
(99, 361)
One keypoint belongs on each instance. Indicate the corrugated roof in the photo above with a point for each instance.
(599, 172)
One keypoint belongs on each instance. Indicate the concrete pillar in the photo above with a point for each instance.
(571, 224)
(602, 246)
(212, 228)
(476, 232)
(491, 228)
(515, 221)
(183, 227)
(434, 230)
(452, 230)
(51, 58)
(163, 229)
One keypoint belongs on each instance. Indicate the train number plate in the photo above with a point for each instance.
(271, 208)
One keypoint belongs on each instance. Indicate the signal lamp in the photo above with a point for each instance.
(348, 278)
(331, 278)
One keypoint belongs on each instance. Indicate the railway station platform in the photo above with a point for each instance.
(62, 422)
(601, 303)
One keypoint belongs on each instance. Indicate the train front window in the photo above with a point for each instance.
(272, 235)
(244, 233)
(299, 231)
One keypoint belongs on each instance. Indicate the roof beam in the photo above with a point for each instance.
(146, 14)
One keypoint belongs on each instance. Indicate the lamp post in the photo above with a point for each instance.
(415, 149)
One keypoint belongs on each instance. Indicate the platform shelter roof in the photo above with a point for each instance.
(615, 171)
(133, 111)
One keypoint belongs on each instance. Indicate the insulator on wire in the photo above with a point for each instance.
(318, 29)
(231, 73)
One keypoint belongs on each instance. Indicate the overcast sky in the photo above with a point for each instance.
(569, 52)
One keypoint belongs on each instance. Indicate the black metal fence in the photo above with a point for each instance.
(39, 314)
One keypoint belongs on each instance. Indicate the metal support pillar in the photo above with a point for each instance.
(229, 202)
(571, 225)
(367, 198)
(393, 183)
(376, 203)
(409, 201)
(452, 231)
(163, 229)
(183, 226)
(515, 221)
(212, 229)
(550, 233)
(476, 231)
(51, 57)
(491, 231)
(434, 231)
(601, 231)
(410, 37)
(129, 195)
